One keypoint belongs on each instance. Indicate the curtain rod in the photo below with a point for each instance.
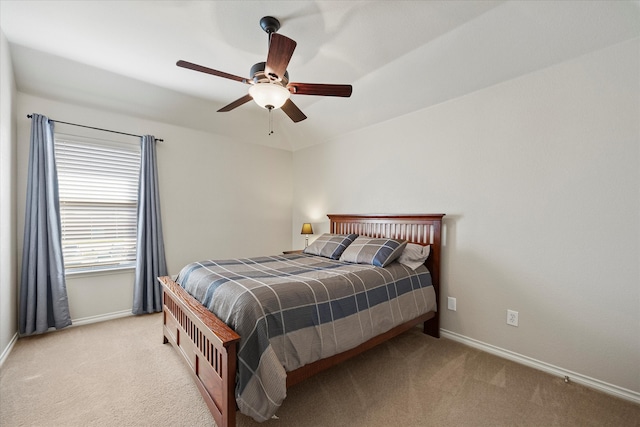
(91, 127)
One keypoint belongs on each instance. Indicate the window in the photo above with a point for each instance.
(98, 189)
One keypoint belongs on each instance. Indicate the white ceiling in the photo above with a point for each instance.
(400, 56)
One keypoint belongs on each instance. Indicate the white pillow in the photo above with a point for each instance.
(414, 255)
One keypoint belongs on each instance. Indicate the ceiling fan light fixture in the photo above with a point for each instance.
(269, 95)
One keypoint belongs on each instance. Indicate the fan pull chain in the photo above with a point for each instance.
(270, 119)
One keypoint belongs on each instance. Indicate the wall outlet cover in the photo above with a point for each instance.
(512, 318)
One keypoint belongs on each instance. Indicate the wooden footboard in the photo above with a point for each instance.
(208, 347)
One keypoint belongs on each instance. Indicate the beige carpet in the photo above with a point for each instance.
(118, 373)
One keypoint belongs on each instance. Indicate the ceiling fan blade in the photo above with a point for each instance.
(280, 51)
(238, 102)
(196, 67)
(293, 111)
(320, 89)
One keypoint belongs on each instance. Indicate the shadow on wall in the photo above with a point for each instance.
(448, 252)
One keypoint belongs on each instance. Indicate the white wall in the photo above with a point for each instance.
(539, 178)
(218, 198)
(8, 266)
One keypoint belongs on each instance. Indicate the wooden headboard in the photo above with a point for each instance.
(424, 229)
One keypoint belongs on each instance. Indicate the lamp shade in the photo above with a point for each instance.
(306, 228)
(269, 95)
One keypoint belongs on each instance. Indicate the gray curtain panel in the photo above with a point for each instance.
(43, 290)
(150, 258)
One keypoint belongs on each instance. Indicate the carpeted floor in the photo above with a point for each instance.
(118, 373)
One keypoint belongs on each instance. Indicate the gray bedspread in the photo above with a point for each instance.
(291, 310)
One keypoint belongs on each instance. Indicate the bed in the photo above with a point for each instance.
(210, 347)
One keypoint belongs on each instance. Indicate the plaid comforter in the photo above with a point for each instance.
(291, 310)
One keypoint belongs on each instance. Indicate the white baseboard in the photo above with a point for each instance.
(575, 377)
(101, 318)
(8, 349)
(74, 322)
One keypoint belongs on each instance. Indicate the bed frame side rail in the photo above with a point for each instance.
(206, 344)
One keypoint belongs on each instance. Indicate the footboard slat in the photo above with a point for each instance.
(207, 345)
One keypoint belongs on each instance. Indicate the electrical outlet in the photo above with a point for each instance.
(512, 318)
(451, 304)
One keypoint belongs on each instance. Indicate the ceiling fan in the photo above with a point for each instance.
(269, 81)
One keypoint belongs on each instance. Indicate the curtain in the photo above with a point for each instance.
(150, 258)
(43, 290)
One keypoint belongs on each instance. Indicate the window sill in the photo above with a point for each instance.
(100, 271)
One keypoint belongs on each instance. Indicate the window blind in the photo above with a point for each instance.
(98, 190)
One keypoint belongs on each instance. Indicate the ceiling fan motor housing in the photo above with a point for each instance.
(259, 76)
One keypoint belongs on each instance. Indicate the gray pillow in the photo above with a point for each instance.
(414, 255)
(378, 252)
(330, 245)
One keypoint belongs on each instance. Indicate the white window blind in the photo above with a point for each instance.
(98, 189)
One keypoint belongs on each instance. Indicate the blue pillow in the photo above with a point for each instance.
(378, 252)
(330, 245)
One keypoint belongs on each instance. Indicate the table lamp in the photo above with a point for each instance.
(306, 230)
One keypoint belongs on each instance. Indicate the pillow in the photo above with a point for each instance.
(378, 252)
(330, 245)
(414, 255)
